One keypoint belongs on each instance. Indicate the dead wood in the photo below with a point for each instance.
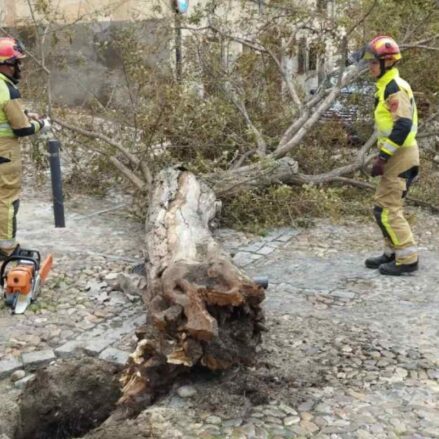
(201, 309)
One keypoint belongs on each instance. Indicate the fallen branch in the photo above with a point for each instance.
(372, 187)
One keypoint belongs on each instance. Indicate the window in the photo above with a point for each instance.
(301, 57)
(312, 57)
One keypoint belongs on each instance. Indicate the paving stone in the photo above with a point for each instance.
(9, 365)
(18, 375)
(68, 349)
(252, 248)
(291, 420)
(21, 383)
(343, 295)
(116, 356)
(266, 250)
(186, 391)
(95, 346)
(243, 258)
(215, 420)
(287, 235)
(37, 358)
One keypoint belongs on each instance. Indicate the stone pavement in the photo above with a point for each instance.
(89, 305)
(349, 353)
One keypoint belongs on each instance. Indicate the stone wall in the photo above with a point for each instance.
(85, 62)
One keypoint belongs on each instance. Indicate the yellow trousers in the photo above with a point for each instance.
(389, 204)
(10, 188)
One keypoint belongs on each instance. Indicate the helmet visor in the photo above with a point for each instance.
(19, 49)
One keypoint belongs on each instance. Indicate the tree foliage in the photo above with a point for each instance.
(241, 101)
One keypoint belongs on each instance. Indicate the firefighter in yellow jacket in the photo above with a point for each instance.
(396, 123)
(14, 123)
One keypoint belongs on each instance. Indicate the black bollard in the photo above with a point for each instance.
(55, 173)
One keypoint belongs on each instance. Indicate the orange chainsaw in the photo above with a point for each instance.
(21, 277)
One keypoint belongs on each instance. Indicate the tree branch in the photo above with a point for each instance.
(290, 86)
(94, 135)
(369, 186)
(262, 145)
(138, 183)
(305, 123)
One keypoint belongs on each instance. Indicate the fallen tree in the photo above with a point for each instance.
(201, 309)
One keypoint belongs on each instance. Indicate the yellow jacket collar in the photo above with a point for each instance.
(388, 76)
(6, 78)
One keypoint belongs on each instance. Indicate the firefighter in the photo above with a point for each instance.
(15, 122)
(397, 162)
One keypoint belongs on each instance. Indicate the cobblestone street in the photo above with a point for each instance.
(348, 353)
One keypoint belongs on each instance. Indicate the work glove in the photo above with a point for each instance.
(46, 125)
(32, 116)
(378, 166)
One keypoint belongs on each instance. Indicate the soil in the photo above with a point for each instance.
(67, 399)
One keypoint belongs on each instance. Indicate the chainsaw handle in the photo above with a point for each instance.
(16, 258)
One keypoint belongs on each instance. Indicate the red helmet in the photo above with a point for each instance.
(382, 47)
(10, 50)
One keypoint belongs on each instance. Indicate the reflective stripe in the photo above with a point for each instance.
(408, 251)
(11, 213)
(6, 130)
(386, 133)
(387, 147)
(386, 224)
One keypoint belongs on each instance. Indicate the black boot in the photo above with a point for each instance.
(392, 269)
(376, 261)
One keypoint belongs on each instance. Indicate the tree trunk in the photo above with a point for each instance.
(201, 309)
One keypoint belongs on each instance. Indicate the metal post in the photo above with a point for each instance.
(55, 173)
(178, 47)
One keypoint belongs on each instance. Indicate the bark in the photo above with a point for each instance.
(258, 175)
(201, 309)
(285, 170)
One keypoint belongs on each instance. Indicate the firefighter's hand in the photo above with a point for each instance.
(46, 125)
(33, 116)
(378, 166)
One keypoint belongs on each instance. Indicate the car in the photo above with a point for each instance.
(352, 109)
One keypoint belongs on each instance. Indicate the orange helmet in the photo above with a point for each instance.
(382, 47)
(10, 50)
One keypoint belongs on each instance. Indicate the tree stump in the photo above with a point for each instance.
(201, 309)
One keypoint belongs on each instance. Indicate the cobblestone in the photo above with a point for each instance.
(32, 360)
(348, 353)
(9, 365)
(114, 356)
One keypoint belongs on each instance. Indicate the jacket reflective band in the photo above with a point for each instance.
(414, 129)
(6, 130)
(5, 127)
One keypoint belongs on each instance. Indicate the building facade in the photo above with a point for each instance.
(86, 25)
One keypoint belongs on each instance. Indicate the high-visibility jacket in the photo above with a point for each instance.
(13, 120)
(396, 116)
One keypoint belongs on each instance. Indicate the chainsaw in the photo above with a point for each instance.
(21, 277)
